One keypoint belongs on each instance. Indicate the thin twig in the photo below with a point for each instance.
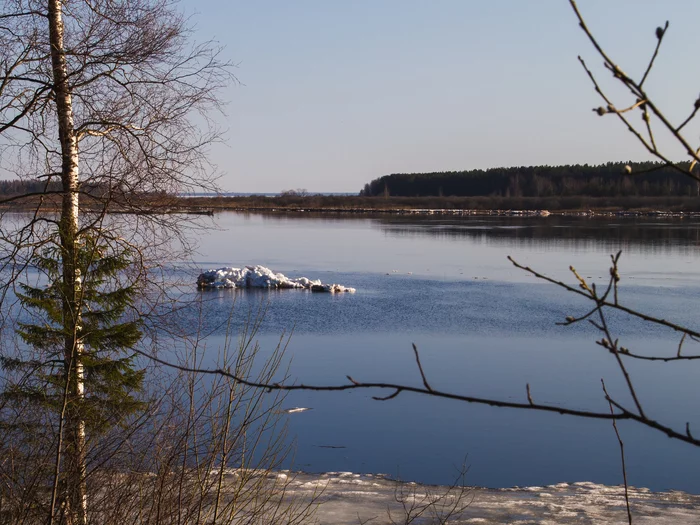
(660, 33)
(690, 117)
(645, 117)
(420, 368)
(638, 91)
(612, 109)
(390, 396)
(613, 347)
(615, 273)
(622, 457)
(649, 147)
(680, 345)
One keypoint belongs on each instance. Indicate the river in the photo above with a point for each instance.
(483, 328)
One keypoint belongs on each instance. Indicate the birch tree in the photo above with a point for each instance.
(108, 99)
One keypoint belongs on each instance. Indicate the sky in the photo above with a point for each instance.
(332, 94)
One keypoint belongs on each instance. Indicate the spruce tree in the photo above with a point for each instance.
(89, 388)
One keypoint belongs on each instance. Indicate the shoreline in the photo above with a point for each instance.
(367, 212)
(345, 497)
(453, 212)
(570, 206)
(632, 206)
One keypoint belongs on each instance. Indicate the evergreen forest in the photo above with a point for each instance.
(613, 179)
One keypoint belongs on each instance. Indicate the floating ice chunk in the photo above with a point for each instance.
(261, 277)
(295, 410)
(559, 486)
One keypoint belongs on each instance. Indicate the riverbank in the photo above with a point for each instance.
(456, 213)
(570, 206)
(348, 498)
(449, 206)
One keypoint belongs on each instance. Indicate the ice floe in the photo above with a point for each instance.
(349, 498)
(294, 410)
(262, 277)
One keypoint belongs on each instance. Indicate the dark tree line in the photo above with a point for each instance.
(614, 179)
(13, 188)
(20, 187)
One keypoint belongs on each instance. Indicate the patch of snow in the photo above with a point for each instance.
(559, 486)
(347, 498)
(262, 277)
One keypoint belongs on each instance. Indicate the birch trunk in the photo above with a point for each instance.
(75, 504)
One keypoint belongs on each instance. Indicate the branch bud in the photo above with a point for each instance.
(660, 32)
(601, 111)
(628, 169)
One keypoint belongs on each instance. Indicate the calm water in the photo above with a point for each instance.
(483, 327)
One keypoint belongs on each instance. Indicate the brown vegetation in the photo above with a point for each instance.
(357, 204)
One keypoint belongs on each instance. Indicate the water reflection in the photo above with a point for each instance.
(641, 234)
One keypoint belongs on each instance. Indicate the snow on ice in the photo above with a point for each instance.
(261, 277)
(347, 498)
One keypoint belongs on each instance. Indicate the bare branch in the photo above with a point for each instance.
(420, 368)
(630, 311)
(622, 457)
(660, 33)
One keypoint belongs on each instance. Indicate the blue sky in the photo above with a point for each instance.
(333, 94)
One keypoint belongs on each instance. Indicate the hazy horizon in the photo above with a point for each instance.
(331, 95)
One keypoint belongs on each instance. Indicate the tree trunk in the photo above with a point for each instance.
(75, 504)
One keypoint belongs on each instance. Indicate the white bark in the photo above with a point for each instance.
(75, 453)
(124, 84)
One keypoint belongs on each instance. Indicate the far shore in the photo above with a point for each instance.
(454, 213)
(540, 207)
(450, 206)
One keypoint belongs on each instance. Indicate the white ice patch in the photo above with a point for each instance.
(295, 410)
(347, 498)
(261, 277)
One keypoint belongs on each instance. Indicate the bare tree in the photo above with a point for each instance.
(108, 103)
(204, 450)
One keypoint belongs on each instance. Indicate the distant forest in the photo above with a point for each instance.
(13, 188)
(17, 187)
(606, 180)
